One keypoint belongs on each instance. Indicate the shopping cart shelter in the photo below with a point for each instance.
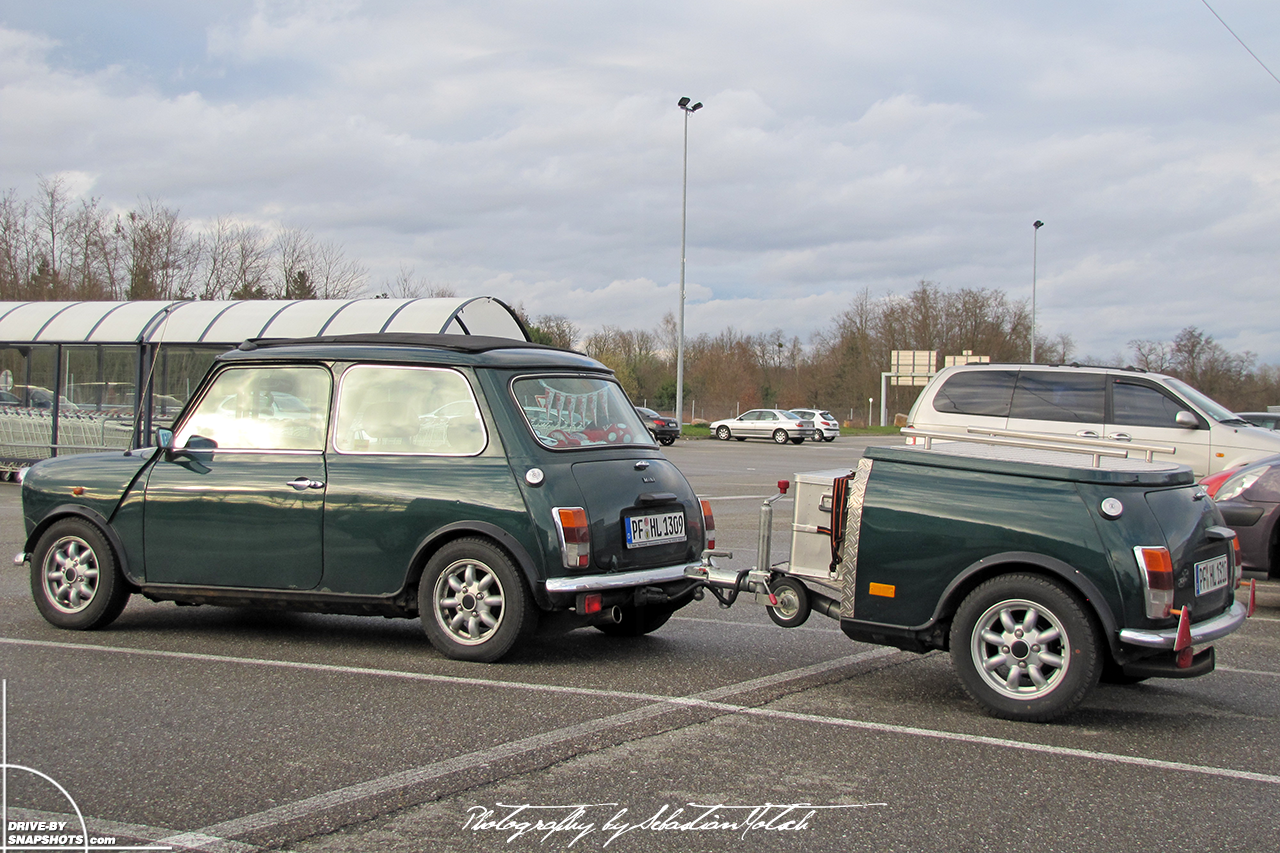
(80, 377)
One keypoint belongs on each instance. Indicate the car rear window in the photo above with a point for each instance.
(978, 392)
(579, 411)
(407, 410)
(1044, 396)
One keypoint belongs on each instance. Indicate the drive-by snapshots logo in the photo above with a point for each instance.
(47, 833)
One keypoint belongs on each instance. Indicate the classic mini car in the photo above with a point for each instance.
(479, 484)
(664, 429)
(778, 424)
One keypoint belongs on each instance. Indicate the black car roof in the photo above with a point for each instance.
(453, 349)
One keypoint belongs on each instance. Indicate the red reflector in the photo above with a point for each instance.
(1183, 640)
(708, 523)
(592, 602)
(1253, 596)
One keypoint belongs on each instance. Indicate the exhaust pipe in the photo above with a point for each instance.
(615, 615)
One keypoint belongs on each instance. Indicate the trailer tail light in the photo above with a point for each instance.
(575, 536)
(1156, 567)
(708, 523)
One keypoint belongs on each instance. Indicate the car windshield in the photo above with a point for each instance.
(568, 412)
(1209, 406)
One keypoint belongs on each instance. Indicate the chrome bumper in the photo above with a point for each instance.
(1201, 632)
(618, 580)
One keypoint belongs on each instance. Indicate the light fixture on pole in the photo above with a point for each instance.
(1035, 233)
(683, 104)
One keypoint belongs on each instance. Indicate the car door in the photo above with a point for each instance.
(239, 500)
(1059, 402)
(1142, 412)
(767, 423)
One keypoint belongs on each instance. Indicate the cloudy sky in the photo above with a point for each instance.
(532, 150)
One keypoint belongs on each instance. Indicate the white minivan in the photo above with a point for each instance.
(1117, 404)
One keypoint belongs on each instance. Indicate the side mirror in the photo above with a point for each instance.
(164, 438)
(1186, 419)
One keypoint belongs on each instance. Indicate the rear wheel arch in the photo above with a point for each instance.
(500, 538)
(1027, 563)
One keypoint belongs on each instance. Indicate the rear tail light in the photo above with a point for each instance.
(709, 523)
(575, 536)
(1156, 568)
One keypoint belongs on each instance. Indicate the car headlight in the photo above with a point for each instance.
(1236, 486)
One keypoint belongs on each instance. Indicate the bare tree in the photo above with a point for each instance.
(408, 286)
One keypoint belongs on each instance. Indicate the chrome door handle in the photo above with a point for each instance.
(1088, 433)
(304, 483)
(1120, 436)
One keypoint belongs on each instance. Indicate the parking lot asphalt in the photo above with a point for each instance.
(221, 729)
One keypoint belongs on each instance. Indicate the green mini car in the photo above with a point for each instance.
(480, 484)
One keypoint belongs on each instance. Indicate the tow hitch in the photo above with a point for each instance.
(725, 584)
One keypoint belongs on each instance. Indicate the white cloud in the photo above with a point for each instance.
(534, 150)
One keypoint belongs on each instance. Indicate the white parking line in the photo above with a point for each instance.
(209, 838)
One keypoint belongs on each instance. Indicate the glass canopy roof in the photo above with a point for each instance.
(230, 323)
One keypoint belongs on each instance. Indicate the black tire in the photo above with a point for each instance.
(793, 603)
(667, 440)
(75, 578)
(1002, 622)
(829, 438)
(723, 433)
(780, 436)
(637, 621)
(473, 602)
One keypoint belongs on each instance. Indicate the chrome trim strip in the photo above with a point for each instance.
(618, 580)
(1201, 632)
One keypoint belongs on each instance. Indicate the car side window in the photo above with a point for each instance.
(1136, 404)
(262, 408)
(413, 410)
(977, 392)
(1046, 396)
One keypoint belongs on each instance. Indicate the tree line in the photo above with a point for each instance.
(54, 246)
(840, 368)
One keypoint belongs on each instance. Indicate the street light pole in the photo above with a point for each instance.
(1035, 233)
(683, 104)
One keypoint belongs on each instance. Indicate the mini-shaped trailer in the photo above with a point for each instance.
(1043, 566)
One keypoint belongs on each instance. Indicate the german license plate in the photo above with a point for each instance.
(1211, 575)
(645, 530)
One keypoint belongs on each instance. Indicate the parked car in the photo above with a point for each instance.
(1249, 499)
(1127, 406)
(780, 425)
(826, 426)
(665, 430)
(539, 494)
(1266, 420)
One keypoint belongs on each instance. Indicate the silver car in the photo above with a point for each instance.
(825, 423)
(780, 425)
